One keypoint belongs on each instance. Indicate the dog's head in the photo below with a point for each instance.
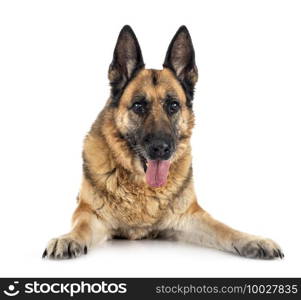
(153, 108)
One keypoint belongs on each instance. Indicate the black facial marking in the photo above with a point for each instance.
(154, 77)
(143, 162)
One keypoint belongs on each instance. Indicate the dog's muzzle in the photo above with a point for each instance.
(159, 149)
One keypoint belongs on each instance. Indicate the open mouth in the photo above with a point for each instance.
(156, 172)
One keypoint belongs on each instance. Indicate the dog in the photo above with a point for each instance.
(137, 164)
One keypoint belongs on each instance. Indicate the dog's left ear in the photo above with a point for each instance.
(180, 59)
(127, 60)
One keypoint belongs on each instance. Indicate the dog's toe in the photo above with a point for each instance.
(259, 248)
(64, 248)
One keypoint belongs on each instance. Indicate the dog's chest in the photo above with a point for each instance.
(132, 207)
(138, 209)
(124, 203)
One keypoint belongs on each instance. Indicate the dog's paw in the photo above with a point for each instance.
(258, 248)
(63, 248)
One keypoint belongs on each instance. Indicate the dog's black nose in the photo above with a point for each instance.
(159, 149)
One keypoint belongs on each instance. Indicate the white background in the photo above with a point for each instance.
(54, 57)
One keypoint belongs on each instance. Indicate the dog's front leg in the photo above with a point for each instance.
(197, 226)
(87, 230)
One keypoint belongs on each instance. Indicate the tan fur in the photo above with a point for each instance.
(114, 199)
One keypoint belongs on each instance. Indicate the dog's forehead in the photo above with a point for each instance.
(155, 85)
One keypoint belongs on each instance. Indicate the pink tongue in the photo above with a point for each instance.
(157, 172)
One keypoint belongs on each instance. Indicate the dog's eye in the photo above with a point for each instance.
(140, 107)
(173, 107)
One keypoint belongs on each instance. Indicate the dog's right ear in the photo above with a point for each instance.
(127, 60)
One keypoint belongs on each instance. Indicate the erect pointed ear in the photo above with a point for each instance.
(127, 60)
(180, 59)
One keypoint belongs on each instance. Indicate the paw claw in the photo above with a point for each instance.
(258, 248)
(281, 255)
(237, 250)
(64, 248)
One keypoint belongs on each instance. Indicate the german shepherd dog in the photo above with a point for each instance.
(137, 172)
